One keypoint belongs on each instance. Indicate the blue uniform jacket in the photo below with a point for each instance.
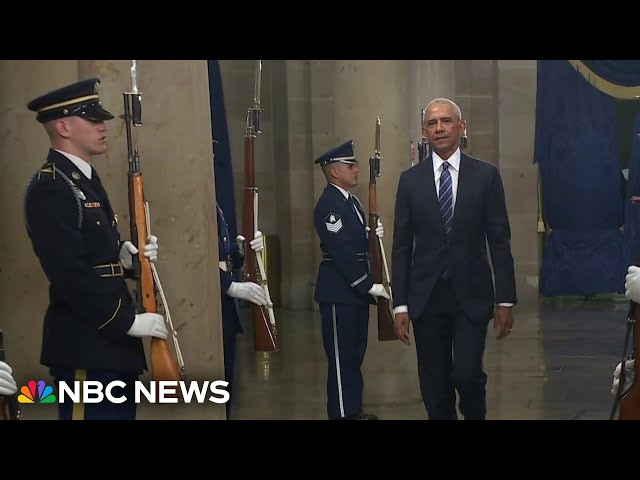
(73, 229)
(343, 275)
(228, 252)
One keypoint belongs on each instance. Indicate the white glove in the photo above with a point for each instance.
(377, 290)
(628, 375)
(7, 382)
(248, 291)
(632, 284)
(379, 229)
(148, 325)
(127, 249)
(240, 239)
(257, 244)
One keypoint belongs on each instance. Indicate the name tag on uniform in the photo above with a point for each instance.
(92, 204)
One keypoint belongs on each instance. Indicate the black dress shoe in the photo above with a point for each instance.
(367, 416)
(361, 416)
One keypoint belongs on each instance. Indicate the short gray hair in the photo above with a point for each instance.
(447, 101)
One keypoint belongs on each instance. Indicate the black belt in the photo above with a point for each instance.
(109, 270)
(362, 257)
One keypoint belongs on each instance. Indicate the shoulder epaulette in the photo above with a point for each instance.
(49, 170)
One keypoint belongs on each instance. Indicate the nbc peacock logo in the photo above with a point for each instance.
(36, 392)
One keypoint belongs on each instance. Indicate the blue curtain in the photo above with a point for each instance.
(222, 161)
(577, 147)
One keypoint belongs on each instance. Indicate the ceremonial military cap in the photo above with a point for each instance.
(342, 153)
(80, 99)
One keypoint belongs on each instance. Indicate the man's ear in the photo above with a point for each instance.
(62, 128)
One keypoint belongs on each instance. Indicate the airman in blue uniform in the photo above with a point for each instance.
(231, 257)
(344, 286)
(91, 330)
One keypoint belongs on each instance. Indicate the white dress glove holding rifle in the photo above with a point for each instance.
(377, 290)
(628, 374)
(7, 382)
(379, 229)
(248, 291)
(148, 325)
(128, 249)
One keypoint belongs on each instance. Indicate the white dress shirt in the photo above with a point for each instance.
(347, 195)
(454, 169)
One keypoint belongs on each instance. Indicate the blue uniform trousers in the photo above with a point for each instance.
(344, 336)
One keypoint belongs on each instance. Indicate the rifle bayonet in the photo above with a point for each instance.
(374, 161)
(253, 114)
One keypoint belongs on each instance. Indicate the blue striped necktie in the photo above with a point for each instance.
(446, 204)
(446, 198)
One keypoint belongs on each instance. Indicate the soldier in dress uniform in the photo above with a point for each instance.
(231, 257)
(344, 286)
(91, 330)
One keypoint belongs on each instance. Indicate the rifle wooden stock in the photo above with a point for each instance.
(385, 318)
(163, 363)
(630, 400)
(9, 409)
(264, 334)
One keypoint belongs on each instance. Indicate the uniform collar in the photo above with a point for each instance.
(83, 165)
(342, 190)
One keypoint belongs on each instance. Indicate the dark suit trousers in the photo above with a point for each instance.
(344, 336)
(450, 348)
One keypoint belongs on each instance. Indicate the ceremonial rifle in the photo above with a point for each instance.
(423, 146)
(265, 337)
(164, 366)
(377, 256)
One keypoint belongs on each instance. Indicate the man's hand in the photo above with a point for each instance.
(379, 229)
(148, 324)
(628, 374)
(248, 291)
(377, 290)
(128, 249)
(7, 382)
(240, 240)
(632, 284)
(503, 322)
(401, 327)
(257, 244)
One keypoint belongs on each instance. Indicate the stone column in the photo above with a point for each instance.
(23, 286)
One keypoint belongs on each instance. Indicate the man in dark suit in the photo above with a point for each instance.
(344, 286)
(91, 330)
(448, 208)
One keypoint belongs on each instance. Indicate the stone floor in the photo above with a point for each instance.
(556, 365)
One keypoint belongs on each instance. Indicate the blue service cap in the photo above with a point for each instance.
(80, 99)
(342, 153)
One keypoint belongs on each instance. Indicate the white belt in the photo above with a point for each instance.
(223, 266)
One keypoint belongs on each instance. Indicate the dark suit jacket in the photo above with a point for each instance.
(480, 217)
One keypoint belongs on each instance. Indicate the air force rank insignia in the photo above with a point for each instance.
(333, 222)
